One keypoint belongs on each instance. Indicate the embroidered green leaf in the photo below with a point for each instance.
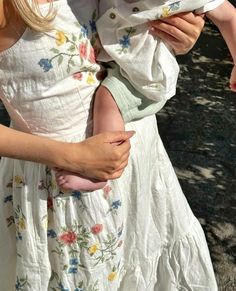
(73, 37)
(60, 60)
(65, 267)
(72, 48)
(77, 24)
(72, 63)
(130, 30)
(81, 283)
(55, 51)
(94, 15)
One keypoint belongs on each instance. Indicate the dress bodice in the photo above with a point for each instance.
(47, 80)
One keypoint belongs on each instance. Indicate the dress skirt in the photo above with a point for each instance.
(136, 234)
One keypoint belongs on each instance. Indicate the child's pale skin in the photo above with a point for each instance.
(224, 18)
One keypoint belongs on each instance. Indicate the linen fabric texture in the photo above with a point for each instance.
(145, 61)
(138, 233)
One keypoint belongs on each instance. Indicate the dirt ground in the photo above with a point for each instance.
(198, 128)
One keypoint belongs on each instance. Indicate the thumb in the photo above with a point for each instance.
(120, 136)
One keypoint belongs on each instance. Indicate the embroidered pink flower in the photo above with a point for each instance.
(68, 237)
(92, 57)
(83, 50)
(97, 228)
(78, 76)
(50, 203)
(106, 190)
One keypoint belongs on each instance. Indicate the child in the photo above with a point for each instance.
(147, 63)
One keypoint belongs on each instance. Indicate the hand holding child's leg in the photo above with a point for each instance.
(106, 117)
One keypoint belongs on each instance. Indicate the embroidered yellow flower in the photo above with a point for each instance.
(60, 38)
(54, 184)
(45, 222)
(165, 11)
(21, 224)
(92, 250)
(18, 179)
(90, 79)
(112, 276)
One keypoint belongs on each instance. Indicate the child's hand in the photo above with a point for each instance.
(233, 79)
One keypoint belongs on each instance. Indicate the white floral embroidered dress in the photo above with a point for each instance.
(138, 233)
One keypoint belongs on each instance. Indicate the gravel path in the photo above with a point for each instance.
(198, 128)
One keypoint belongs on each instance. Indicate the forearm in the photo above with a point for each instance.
(95, 157)
(224, 17)
(23, 146)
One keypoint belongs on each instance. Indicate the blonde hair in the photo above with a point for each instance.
(32, 16)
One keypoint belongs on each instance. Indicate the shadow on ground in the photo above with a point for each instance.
(198, 128)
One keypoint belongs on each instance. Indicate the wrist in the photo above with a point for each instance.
(67, 156)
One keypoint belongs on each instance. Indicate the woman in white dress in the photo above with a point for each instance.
(138, 233)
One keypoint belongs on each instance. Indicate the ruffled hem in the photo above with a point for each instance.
(185, 266)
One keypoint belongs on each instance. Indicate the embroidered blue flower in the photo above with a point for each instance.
(74, 261)
(77, 194)
(8, 199)
(21, 283)
(174, 6)
(84, 30)
(51, 233)
(125, 41)
(17, 285)
(120, 233)
(72, 270)
(18, 236)
(62, 288)
(116, 204)
(45, 64)
(93, 27)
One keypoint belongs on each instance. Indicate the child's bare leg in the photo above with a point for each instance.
(106, 117)
(106, 114)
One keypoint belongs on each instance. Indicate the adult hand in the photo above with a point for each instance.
(99, 157)
(179, 31)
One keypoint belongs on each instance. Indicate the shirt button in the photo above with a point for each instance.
(136, 9)
(112, 16)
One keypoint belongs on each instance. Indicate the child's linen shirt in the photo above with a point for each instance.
(145, 61)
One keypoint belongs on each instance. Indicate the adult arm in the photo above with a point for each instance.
(95, 157)
(224, 17)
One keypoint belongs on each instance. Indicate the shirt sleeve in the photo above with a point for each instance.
(209, 6)
(145, 61)
(132, 104)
